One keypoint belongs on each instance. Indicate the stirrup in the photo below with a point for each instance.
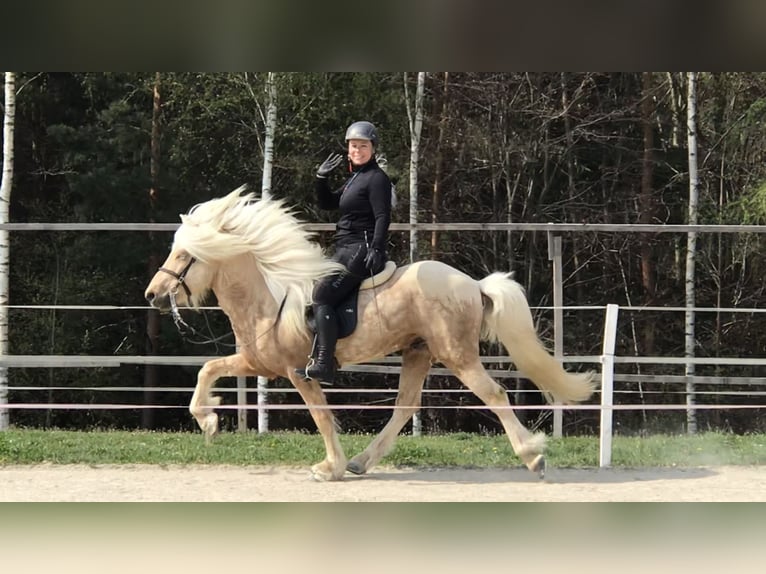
(312, 363)
(304, 372)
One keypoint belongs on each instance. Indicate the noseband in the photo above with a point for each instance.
(181, 276)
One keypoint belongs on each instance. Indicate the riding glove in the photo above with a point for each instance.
(374, 260)
(333, 160)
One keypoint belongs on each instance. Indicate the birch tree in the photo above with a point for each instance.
(5, 201)
(268, 163)
(691, 249)
(416, 126)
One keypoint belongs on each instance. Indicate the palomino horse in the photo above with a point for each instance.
(262, 265)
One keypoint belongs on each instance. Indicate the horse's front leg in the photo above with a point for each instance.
(334, 465)
(202, 402)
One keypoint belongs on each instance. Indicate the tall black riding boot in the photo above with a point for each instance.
(322, 368)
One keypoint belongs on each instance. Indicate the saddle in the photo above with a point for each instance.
(346, 309)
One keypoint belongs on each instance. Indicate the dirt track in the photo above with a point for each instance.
(263, 484)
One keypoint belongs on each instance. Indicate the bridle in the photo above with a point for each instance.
(181, 277)
(183, 327)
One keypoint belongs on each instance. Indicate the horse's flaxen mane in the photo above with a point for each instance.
(283, 250)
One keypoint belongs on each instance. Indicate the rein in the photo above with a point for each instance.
(185, 329)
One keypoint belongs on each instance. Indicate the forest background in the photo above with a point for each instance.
(495, 147)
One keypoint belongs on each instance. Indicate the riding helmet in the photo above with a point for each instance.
(362, 131)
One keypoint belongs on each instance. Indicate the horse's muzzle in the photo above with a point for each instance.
(159, 302)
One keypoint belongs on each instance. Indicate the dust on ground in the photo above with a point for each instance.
(145, 483)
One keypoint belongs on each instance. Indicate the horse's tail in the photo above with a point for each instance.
(507, 318)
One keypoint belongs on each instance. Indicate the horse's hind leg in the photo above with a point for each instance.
(415, 365)
(527, 446)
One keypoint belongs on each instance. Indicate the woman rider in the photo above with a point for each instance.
(361, 234)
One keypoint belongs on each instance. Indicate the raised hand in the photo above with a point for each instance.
(333, 160)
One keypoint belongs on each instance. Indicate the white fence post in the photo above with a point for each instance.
(242, 404)
(263, 401)
(554, 254)
(607, 385)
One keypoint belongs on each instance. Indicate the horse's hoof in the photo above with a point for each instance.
(317, 477)
(323, 477)
(210, 427)
(323, 473)
(539, 466)
(355, 467)
(318, 474)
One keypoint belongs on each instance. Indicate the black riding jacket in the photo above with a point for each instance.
(364, 202)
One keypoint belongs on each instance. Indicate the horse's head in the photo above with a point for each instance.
(182, 279)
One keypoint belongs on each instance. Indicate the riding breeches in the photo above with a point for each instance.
(333, 289)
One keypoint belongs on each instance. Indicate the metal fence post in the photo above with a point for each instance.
(607, 385)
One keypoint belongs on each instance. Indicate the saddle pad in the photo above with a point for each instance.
(379, 278)
(346, 309)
